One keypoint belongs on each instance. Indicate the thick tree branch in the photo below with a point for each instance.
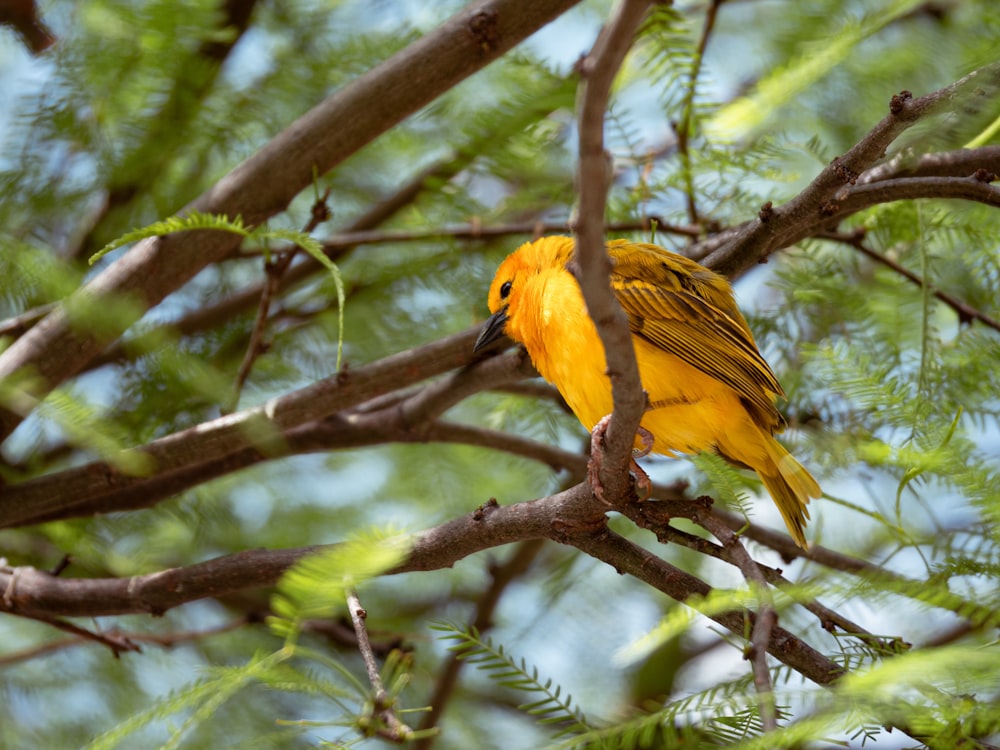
(223, 445)
(571, 517)
(58, 348)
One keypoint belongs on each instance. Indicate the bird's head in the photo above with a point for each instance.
(513, 277)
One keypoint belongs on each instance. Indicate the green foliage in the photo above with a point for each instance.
(316, 586)
(817, 59)
(194, 220)
(549, 707)
(892, 393)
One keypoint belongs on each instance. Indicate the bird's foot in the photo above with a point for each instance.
(647, 443)
(642, 481)
(597, 457)
(644, 485)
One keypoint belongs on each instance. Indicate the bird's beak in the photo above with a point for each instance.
(492, 329)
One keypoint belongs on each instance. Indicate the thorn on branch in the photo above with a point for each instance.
(320, 211)
(67, 559)
(382, 720)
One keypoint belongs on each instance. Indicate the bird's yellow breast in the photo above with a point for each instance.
(686, 406)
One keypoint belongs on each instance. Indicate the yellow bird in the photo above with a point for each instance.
(709, 387)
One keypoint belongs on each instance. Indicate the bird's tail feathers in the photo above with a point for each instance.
(791, 485)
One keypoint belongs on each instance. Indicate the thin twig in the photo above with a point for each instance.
(474, 231)
(966, 313)
(501, 577)
(655, 516)
(598, 71)
(765, 621)
(166, 640)
(684, 127)
(274, 270)
(118, 643)
(391, 727)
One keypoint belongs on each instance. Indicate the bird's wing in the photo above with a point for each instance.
(689, 312)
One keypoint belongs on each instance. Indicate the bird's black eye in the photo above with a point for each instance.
(505, 290)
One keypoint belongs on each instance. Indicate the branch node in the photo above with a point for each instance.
(984, 175)
(483, 28)
(705, 501)
(485, 509)
(320, 211)
(843, 171)
(898, 102)
(343, 376)
(828, 208)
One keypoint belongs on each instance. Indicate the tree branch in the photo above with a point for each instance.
(598, 71)
(766, 618)
(245, 437)
(388, 725)
(966, 313)
(684, 128)
(58, 348)
(741, 247)
(571, 517)
(274, 270)
(274, 430)
(958, 163)
(166, 640)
